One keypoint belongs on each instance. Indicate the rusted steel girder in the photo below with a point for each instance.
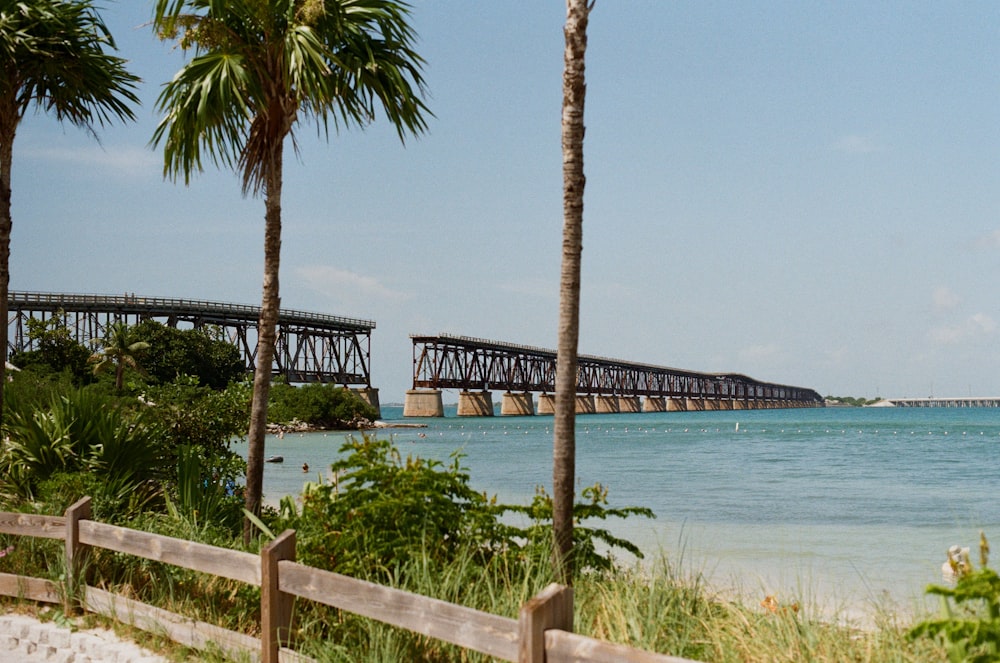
(470, 364)
(310, 347)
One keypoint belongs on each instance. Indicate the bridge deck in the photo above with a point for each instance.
(459, 362)
(991, 401)
(311, 347)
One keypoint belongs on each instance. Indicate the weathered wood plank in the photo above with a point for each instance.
(29, 524)
(551, 608)
(480, 631)
(181, 630)
(275, 605)
(565, 647)
(76, 553)
(32, 589)
(232, 564)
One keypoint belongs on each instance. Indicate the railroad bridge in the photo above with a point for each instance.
(310, 347)
(477, 366)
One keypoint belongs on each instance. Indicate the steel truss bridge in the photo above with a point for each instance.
(310, 347)
(458, 362)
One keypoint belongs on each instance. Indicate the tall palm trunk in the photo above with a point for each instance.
(266, 337)
(8, 129)
(564, 433)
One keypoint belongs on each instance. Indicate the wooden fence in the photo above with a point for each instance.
(542, 632)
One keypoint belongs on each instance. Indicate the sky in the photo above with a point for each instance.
(804, 192)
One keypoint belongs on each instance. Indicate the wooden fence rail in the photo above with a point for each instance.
(542, 632)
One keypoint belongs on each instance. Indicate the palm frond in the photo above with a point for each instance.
(261, 65)
(57, 57)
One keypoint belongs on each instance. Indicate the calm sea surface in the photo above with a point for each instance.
(842, 505)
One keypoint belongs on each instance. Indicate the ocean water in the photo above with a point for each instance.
(842, 507)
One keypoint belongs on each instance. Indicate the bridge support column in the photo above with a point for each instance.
(369, 395)
(546, 403)
(677, 405)
(654, 404)
(694, 404)
(585, 404)
(423, 403)
(475, 404)
(725, 404)
(629, 404)
(517, 405)
(710, 404)
(739, 405)
(605, 404)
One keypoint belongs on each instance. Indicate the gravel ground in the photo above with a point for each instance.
(24, 639)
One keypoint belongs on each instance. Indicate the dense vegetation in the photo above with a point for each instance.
(158, 455)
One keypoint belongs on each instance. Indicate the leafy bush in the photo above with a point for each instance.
(82, 432)
(202, 353)
(586, 540)
(381, 510)
(55, 351)
(969, 630)
(321, 405)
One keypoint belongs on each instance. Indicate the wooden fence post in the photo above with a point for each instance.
(76, 553)
(552, 608)
(275, 606)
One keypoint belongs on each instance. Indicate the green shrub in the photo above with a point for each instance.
(969, 629)
(82, 432)
(380, 510)
(320, 405)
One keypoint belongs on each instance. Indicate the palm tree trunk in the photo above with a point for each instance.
(8, 129)
(564, 424)
(266, 337)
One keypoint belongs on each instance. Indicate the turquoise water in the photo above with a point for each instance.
(841, 505)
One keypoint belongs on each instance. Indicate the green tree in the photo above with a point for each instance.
(201, 353)
(259, 67)
(53, 349)
(322, 405)
(120, 348)
(564, 436)
(54, 58)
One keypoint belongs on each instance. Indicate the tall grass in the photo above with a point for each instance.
(656, 608)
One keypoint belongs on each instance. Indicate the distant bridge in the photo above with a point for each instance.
(310, 347)
(476, 366)
(942, 402)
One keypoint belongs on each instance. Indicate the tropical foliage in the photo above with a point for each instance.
(54, 349)
(203, 353)
(320, 405)
(969, 623)
(380, 510)
(55, 58)
(259, 67)
(120, 349)
(81, 432)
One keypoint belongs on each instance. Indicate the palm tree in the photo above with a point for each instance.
(564, 433)
(259, 67)
(120, 350)
(53, 58)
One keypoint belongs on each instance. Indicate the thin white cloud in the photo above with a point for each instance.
(124, 160)
(972, 328)
(989, 240)
(760, 352)
(347, 288)
(856, 144)
(944, 299)
(530, 288)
